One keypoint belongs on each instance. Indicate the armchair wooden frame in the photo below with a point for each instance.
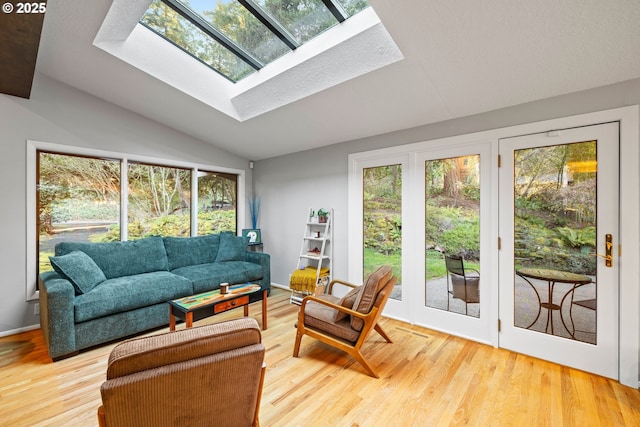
(370, 323)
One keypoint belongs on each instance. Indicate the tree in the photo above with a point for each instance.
(63, 177)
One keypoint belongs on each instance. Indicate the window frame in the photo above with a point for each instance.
(33, 147)
(270, 22)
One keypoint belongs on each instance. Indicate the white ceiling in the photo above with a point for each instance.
(462, 57)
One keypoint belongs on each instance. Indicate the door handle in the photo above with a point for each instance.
(608, 256)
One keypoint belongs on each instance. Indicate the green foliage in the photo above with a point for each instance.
(434, 264)
(539, 246)
(174, 225)
(43, 262)
(578, 238)
(471, 192)
(454, 230)
(463, 239)
(216, 222)
(383, 232)
(373, 259)
(74, 209)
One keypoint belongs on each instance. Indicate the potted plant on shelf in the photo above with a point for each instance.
(322, 216)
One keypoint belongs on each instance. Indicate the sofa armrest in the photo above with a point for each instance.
(264, 260)
(57, 314)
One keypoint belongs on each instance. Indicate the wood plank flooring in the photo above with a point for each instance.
(426, 379)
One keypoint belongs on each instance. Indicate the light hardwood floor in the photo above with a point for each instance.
(426, 379)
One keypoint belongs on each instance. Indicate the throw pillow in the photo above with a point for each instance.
(347, 301)
(78, 268)
(232, 248)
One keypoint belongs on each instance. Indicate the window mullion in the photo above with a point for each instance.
(336, 10)
(214, 33)
(274, 26)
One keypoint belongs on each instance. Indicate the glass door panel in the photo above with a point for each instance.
(456, 212)
(382, 221)
(452, 227)
(555, 217)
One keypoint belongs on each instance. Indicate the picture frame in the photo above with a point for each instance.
(252, 235)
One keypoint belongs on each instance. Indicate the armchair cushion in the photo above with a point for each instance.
(79, 269)
(320, 316)
(366, 298)
(347, 301)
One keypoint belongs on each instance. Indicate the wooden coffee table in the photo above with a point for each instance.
(210, 303)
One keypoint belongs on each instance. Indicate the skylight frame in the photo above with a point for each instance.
(271, 23)
(212, 32)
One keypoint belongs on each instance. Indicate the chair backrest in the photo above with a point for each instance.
(205, 376)
(463, 287)
(454, 264)
(383, 295)
(368, 295)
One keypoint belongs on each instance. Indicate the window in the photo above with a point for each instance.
(159, 201)
(78, 196)
(78, 199)
(217, 199)
(236, 38)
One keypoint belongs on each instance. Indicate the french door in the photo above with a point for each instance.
(559, 222)
(379, 207)
(456, 214)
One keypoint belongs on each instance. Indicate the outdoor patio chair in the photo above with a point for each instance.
(462, 284)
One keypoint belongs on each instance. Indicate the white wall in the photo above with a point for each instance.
(59, 114)
(291, 184)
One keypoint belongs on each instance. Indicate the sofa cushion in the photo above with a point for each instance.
(78, 268)
(232, 248)
(183, 251)
(130, 292)
(205, 277)
(118, 259)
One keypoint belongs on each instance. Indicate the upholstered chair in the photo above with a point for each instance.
(204, 376)
(345, 322)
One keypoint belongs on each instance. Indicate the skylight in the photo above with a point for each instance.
(237, 38)
(294, 62)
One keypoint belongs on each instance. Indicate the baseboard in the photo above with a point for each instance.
(19, 330)
(279, 286)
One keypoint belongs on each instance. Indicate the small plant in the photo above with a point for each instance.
(322, 215)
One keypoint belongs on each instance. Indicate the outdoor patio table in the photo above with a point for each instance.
(551, 277)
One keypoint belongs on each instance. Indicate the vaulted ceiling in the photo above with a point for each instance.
(460, 58)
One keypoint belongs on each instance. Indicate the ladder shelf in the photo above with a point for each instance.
(315, 262)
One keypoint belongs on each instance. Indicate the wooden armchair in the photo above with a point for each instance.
(205, 376)
(346, 322)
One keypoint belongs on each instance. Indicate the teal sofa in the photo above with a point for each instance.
(100, 292)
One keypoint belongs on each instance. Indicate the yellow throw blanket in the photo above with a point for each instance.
(305, 280)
